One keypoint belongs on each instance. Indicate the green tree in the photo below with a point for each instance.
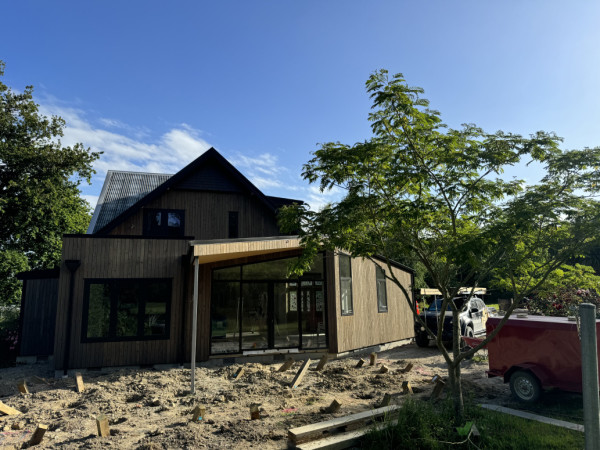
(437, 194)
(39, 187)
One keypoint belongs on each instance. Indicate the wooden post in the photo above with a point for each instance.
(198, 414)
(300, 375)
(322, 362)
(23, 387)
(385, 401)
(437, 390)
(373, 359)
(407, 369)
(286, 365)
(360, 363)
(79, 386)
(239, 374)
(38, 435)
(406, 388)
(254, 411)
(5, 409)
(102, 424)
(333, 408)
(383, 369)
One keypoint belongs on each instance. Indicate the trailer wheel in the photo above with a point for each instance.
(422, 339)
(525, 386)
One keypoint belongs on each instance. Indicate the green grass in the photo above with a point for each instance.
(422, 425)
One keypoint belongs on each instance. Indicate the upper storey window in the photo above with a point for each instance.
(164, 222)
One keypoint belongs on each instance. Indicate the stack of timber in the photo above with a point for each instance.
(338, 433)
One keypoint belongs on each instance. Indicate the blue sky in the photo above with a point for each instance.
(155, 83)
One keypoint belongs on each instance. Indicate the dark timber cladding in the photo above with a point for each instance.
(38, 312)
(106, 258)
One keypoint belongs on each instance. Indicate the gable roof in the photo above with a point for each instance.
(124, 193)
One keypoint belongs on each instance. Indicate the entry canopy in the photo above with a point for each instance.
(222, 250)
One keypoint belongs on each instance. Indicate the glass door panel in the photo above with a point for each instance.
(312, 303)
(225, 322)
(285, 315)
(255, 315)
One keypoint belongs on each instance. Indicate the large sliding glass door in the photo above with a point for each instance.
(255, 307)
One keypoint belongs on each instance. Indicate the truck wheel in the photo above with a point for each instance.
(422, 339)
(525, 386)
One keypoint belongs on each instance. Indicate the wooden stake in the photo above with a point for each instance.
(385, 401)
(23, 387)
(384, 369)
(360, 363)
(198, 414)
(38, 435)
(407, 369)
(322, 362)
(300, 375)
(333, 408)
(286, 365)
(5, 409)
(437, 390)
(373, 359)
(406, 388)
(102, 424)
(239, 374)
(79, 382)
(254, 411)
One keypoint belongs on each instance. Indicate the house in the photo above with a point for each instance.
(206, 239)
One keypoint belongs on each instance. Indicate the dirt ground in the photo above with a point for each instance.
(152, 409)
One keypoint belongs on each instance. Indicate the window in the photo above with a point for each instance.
(346, 285)
(233, 224)
(381, 289)
(164, 222)
(126, 309)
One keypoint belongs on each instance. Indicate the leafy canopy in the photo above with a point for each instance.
(443, 197)
(39, 186)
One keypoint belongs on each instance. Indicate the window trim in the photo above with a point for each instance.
(378, 280)
(164, 229)
(113, 311)
(349, 312)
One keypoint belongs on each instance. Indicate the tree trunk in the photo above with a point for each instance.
(454, 378)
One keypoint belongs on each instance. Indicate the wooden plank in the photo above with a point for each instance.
(437, 390)
(360, 363)
(406, 388)
(385, 401)
(300, 374)
(314, 431)
(384, 369)
(332, 408)
(239, 374)
(407, 369)
(254, 411)
(322, 362)
(38, 434)
(102, 425)
(22, 386)
(79, 382)
(286, 365)
(198, 414)
(7, 410)
(339, 441)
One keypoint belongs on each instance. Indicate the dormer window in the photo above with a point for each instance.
(164, 222)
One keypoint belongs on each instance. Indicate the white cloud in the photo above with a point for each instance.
(91, 199)
(317, 199)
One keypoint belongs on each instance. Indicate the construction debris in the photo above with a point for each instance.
(79, 386)
(373, 357)
(300, 375)
(406, 388)
(38, 435)
(23, 387)
(361, 362)
(407, 369)
(385, 401)
(7, 410)
(322, 362)
(239, 374)
(198, 414)
(333, 408)
(286, 365)
(384, 369)
(437, 390)
(254, 411)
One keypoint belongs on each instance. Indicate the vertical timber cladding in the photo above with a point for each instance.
(109, 258)
(254, 218)
(367, 326)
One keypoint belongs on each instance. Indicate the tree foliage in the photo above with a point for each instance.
(39, 187)
(441, 196)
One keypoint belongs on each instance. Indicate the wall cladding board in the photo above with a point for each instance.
(118, 258)
(367, 326)
(255, 219)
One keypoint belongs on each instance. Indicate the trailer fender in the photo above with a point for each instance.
(533, 368)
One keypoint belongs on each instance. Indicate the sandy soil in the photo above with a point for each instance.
(152, 409)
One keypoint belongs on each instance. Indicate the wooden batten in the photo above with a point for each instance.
(220, 251)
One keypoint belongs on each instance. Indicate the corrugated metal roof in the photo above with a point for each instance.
(120, 191)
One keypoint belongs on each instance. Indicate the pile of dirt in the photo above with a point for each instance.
(152, 409)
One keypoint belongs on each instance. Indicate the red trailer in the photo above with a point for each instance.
(536, 352)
